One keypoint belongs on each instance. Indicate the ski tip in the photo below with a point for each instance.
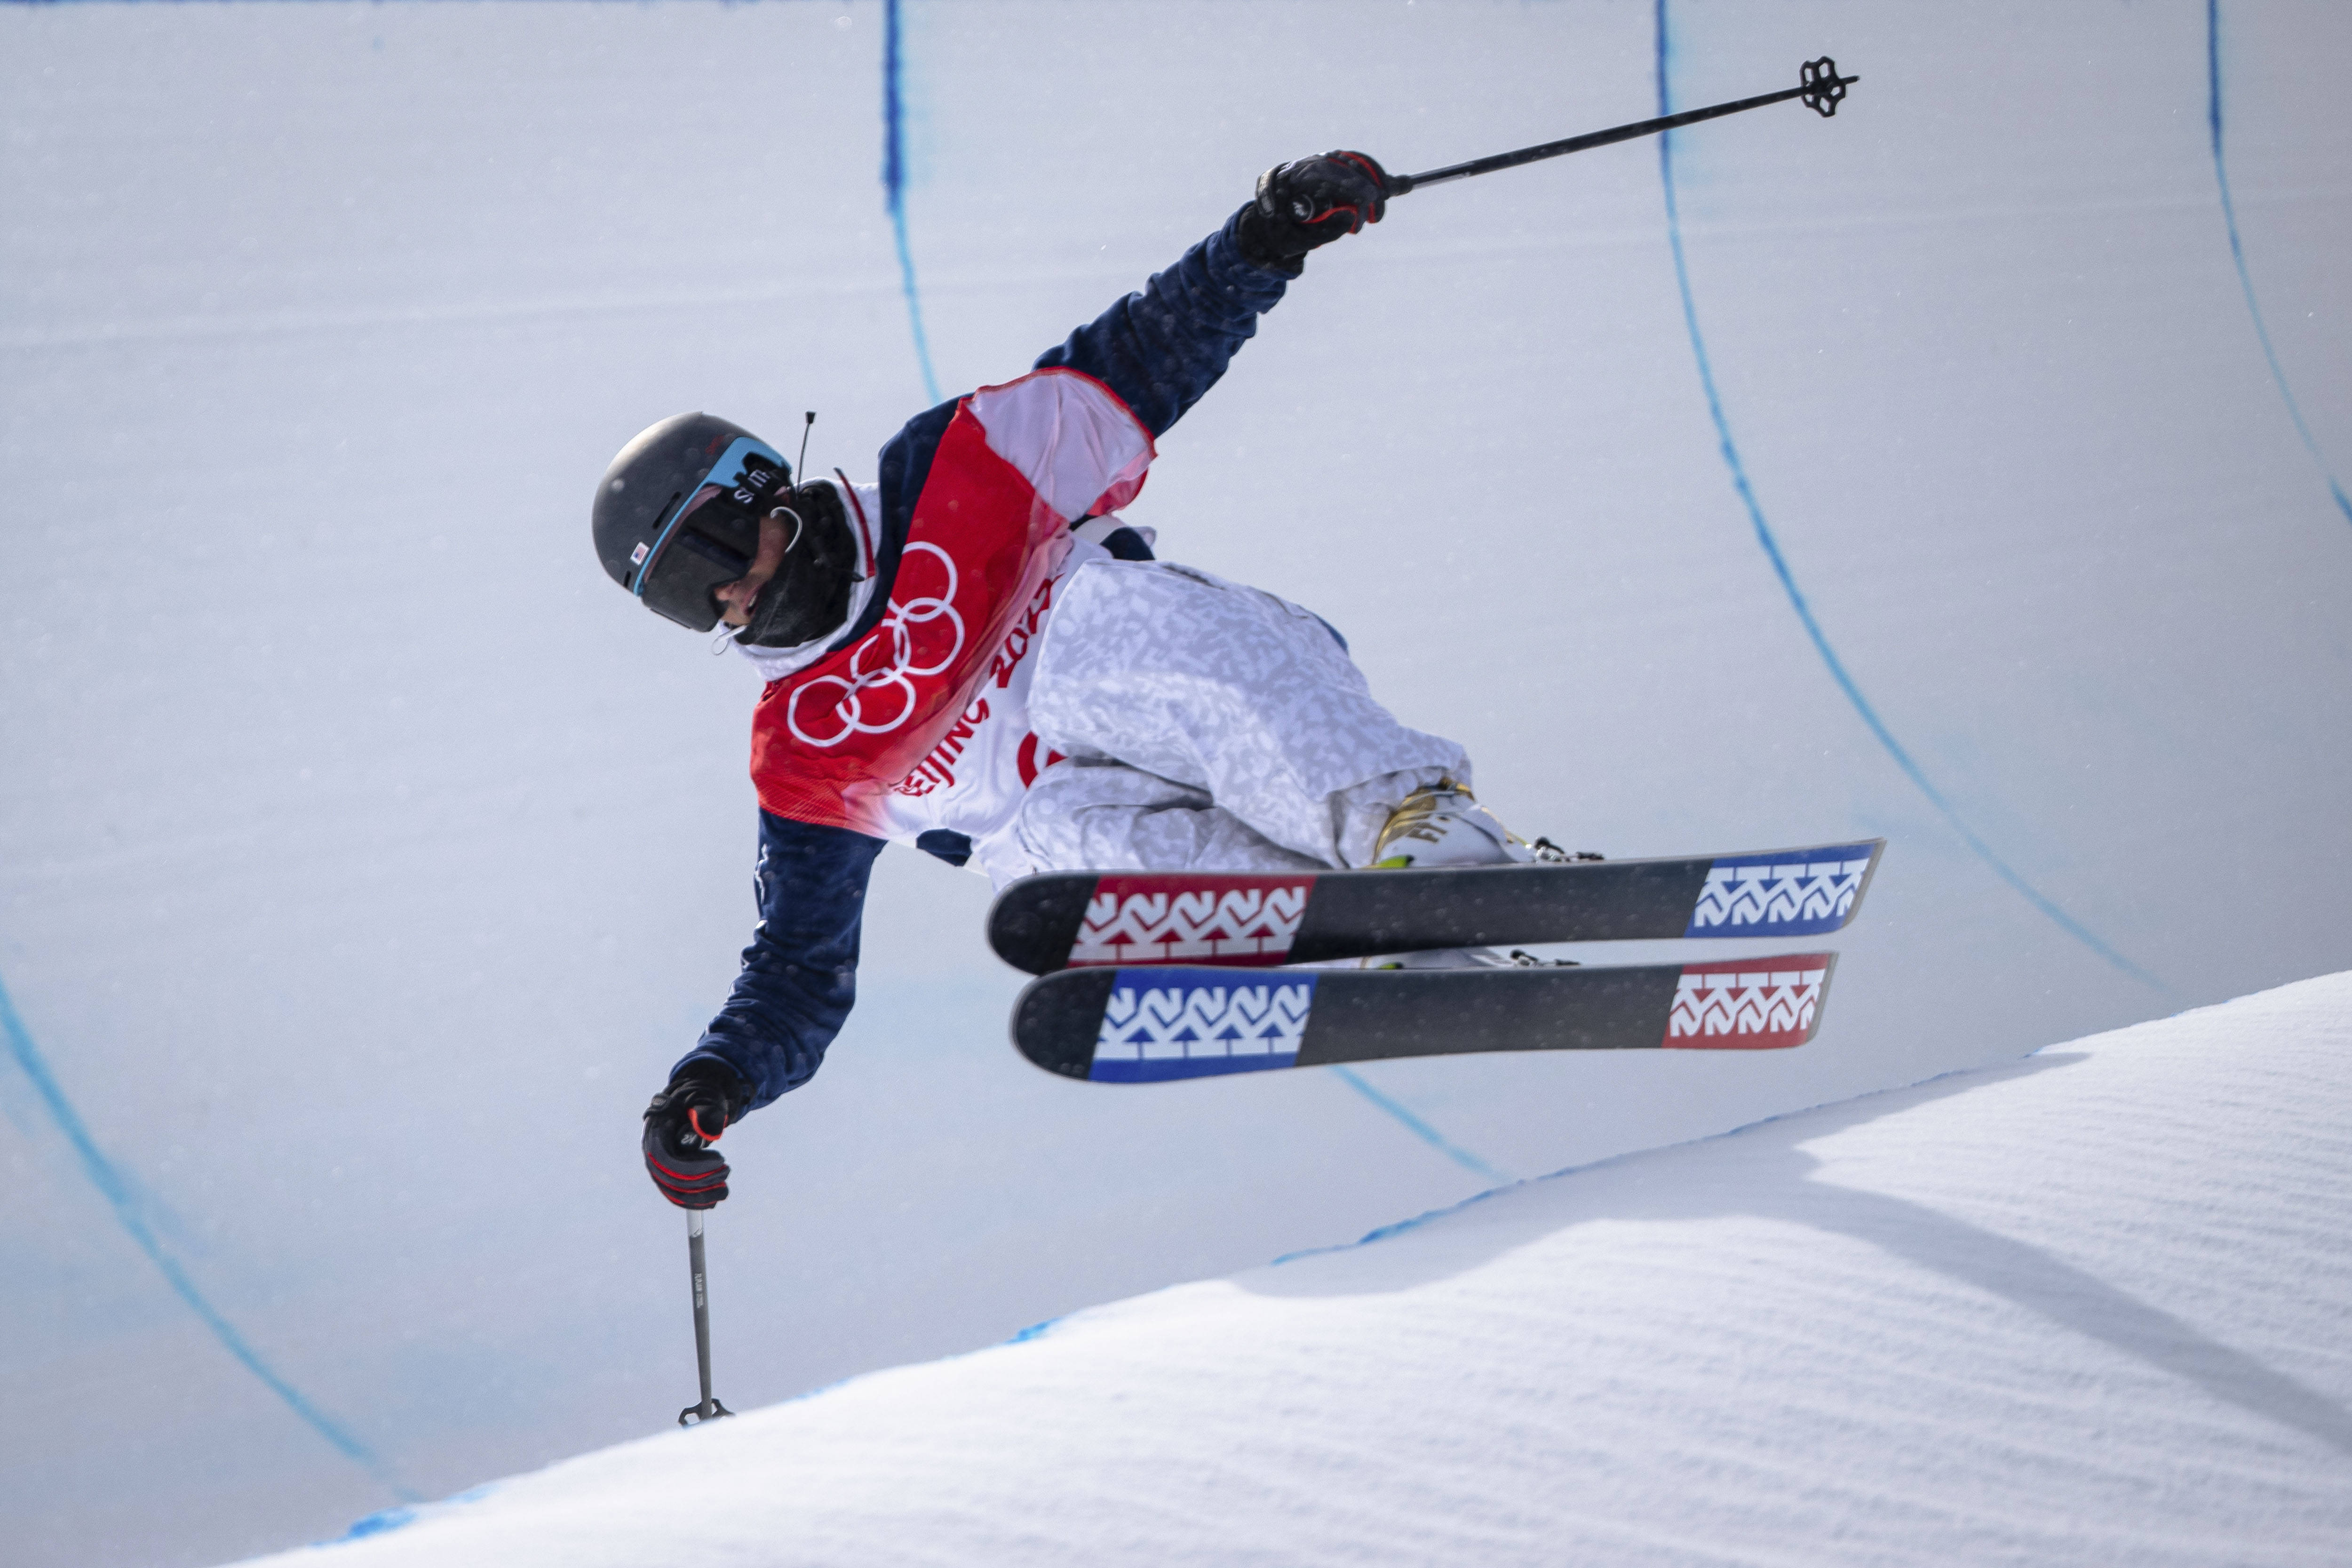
(1877, 847)
(1806, 891)
(1769, 1003)
(1058, 1018)
(1822, 1000)
(1034, 922)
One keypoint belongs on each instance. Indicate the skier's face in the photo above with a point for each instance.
(735, 598)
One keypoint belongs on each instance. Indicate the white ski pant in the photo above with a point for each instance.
(1208, 727)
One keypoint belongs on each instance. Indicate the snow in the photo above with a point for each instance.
(365, 858)
(2087, 1307)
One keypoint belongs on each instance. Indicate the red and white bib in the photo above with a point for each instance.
(921, 722)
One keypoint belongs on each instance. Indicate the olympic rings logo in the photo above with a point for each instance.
(897, 635)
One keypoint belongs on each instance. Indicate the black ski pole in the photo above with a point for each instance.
(1819, 85)
(709, 1409)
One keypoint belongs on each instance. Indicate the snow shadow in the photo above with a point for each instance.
(1761, 1171)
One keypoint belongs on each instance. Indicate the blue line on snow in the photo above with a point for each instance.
(1422, 1129)
(1764, 537)
(2238, 251)
(894, 187)
(116, 1188)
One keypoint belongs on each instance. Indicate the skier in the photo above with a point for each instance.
(976, 655)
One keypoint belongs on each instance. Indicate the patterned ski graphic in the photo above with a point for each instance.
(1128, 918)
(1791, 894)
(1152, 1030)
(1172, 918)
(1153, 1025)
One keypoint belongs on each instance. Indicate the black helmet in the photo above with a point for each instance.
(677, 514)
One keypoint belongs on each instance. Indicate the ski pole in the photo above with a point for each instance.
(1819, 85)
(694, 1414)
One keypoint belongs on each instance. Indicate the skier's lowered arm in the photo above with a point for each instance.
(798, 983)
(798, 978)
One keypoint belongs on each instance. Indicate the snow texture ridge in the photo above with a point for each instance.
(2086, 1308)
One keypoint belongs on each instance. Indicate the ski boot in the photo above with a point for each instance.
(1443, 825)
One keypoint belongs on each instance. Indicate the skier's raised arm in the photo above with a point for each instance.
(1162, 348)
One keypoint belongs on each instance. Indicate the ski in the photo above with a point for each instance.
(1066, 919)
(1151, 1025)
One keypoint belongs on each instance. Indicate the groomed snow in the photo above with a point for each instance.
(2090, 1307)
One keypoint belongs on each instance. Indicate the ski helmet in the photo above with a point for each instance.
(678, 513)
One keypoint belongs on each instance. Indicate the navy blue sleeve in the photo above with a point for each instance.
(1159, 349)
(800, 973)
(1164, 347)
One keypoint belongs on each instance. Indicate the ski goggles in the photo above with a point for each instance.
(710, 539)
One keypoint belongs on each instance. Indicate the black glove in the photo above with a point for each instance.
(682, 1124)
(1310, 202)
